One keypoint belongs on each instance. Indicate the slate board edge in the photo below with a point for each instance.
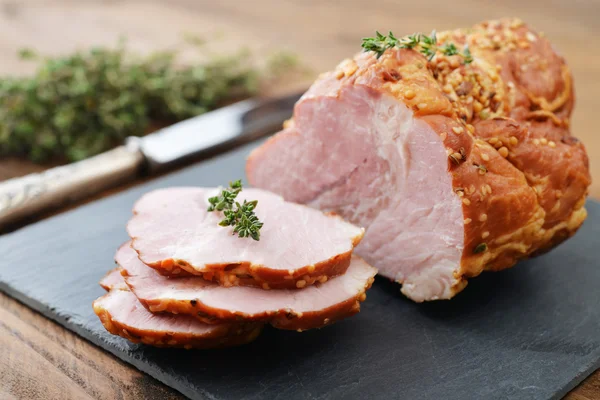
(584, 373)
(75, 325)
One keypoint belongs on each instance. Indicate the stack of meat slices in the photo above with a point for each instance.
(185, 281)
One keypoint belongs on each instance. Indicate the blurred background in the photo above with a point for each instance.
(244, 48)
(319, 33)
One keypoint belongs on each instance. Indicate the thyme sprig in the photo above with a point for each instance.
(241, 216)
(82, 104)
(427, 45)
(227, 197)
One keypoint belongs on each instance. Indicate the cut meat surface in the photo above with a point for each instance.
(172, 231)
(452, 168)
(113, 280)
(122, 314)
(312, 307)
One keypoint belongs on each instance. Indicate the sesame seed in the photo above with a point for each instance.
(493, 140)
(483, 217)
(498, 144)
(447, 88)
(530, 36)
(544, 141)
(466, 202)
(536, 141)
(421, 106)
(458, 130)
(323, 279)
(485, 235)
(470, 128)
(339, 74)
(456, 157)
(477, 106)
(409, 94)
(516, 23)
(362, 297)
(443, 136)
(489, 189)
(513, 141)
(325, 321)
(300, 284)
(551, 144)
(468, 221)
(503, 151)
(311, 269)
(350, 68)
(265, 286)
(485, 157)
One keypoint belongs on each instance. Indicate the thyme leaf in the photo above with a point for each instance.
(241, 216)
(427, 45)
(480, 248)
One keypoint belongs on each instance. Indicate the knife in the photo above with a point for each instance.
(182, 142)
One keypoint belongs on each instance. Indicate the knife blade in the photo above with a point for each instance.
(182, 142)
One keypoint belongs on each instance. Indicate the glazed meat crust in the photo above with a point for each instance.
(505, 122)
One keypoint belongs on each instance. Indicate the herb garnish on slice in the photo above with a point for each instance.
(241, 216)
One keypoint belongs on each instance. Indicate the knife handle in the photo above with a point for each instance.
(24, 196)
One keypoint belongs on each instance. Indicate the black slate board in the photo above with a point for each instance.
(532, 332)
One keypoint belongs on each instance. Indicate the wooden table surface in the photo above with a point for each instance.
(40, 359)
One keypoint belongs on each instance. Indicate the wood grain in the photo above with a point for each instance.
(39, 359)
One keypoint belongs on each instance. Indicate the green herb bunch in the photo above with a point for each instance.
(427, 45)
(241, 216)
(86, 103)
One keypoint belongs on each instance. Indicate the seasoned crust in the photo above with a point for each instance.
(249, 274)
(281, 319)
(504, 120)
(230, 335)
(283, 313)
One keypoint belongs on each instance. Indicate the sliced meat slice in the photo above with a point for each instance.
(172, 231)
(313, 307)
(113, 280)
(122, 314)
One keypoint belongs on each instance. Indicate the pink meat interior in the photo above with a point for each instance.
(364, 155)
